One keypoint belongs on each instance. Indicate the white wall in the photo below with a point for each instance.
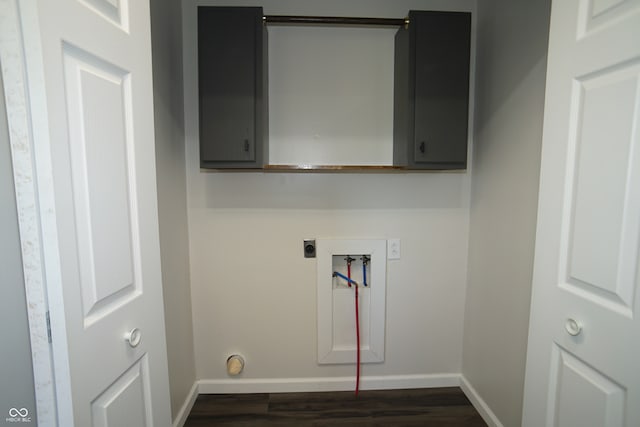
(252, 290)
(166, 28)
(16, 369)
(510, 82)
(331, 95)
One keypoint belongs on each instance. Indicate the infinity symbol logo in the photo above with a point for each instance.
(22, 412)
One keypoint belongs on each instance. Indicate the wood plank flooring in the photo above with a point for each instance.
(437, 407)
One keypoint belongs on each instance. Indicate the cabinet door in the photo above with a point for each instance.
(431, 91)
(229, 74)
(442, 42)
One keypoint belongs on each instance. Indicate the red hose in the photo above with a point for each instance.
(358, 344)
(357, 328)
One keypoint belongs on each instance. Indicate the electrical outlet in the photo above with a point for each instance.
(309, 248)
(393, 249)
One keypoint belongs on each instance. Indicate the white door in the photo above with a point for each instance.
(583, 362)
(88, 64)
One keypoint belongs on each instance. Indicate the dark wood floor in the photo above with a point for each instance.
(437, 407)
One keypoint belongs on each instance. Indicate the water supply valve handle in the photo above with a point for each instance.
(365, 261)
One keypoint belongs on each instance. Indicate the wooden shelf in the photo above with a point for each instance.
(333, 168)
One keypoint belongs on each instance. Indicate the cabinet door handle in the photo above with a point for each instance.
(246, 145)
(423, 147)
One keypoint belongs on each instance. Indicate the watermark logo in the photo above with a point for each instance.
(18, 415)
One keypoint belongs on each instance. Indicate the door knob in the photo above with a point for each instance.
(573, 327)
(133, 337)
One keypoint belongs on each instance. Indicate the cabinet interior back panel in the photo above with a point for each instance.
(331, 95)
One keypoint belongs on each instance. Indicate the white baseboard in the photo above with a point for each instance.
(481, 406)
(183, 413)
(286, 385)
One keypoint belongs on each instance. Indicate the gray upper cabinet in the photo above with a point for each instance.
(232, 78)
(431, 91)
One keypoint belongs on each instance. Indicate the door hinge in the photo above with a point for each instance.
(48, 326)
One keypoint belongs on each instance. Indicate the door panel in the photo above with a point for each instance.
(596, 14)
(584, 337)
(101, 245)
(98, 98)
(442, 43)
(582, 396)
(605, 215)
(115, 11)
(124, 402)
(228, 71)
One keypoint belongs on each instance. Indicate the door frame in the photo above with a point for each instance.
(25, 99)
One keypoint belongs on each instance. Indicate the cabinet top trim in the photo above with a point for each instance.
(334, 20)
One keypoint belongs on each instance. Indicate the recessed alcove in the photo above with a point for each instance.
(331, 95)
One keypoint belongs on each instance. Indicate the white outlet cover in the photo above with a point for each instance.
(393, 249)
